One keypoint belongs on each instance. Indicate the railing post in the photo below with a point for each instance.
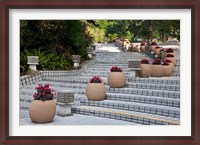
(33, 62)
(64, 100)
(76, 59)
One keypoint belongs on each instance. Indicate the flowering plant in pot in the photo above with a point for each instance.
(145, 68)
(136, 48)
(153, 46)
(157, 69)
(142, 46)
(43, 108)
(157, 50)
(116, 78)
(96, 89)
(167, 69)
(170, 63)
(169, 50)
(171, 57)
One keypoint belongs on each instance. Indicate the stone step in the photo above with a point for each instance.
(81, 87)
(156, 80)
(175, 74)
(144, 99)
(130, 116)
(100, 73)
(153, 86)
(143, 85)
(75, 119)
(133, 106)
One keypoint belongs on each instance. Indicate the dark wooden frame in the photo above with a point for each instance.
(194, 139)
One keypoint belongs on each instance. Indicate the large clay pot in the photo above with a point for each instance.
(136, 49)
(96, 91)
(157, 51)
(172, 66)
(167, 70)
(142, 48)
(157, 70)
(169, 53)
(145, 70)
(116, 79)
(173, 60)
(152, 47)
(42, 111)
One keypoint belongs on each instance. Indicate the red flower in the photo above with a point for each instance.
(153, 43)
(115, 69)
(170, 55)
(168, 61)
(156, 61)
(142, 44)
(34, 95)
(43, 93)
(96, 79)
(144, 61)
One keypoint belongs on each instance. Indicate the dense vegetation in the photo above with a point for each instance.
(107, 30)
(54, 41)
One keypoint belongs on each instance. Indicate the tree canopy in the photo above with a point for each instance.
(55, 41)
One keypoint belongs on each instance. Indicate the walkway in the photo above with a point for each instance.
(142, 101)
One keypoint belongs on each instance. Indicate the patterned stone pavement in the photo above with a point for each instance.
(142, 101)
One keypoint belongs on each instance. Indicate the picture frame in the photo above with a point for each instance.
(102, 4)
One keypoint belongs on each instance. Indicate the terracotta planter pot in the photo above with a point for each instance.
(157, 51)
(42, 111)
(152, 47)
(96, 91)
(145, 70)
(157, 71)
(173, 60)
(169, 53)
(172, 66)
(116, 79)
(136, 49)
(142, 48)
(167, 70)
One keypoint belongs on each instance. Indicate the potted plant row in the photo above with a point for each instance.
(156, 69)
(43, 108)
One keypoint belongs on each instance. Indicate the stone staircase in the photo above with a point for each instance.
(143, 101)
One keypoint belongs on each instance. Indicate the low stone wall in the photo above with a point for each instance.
(30, 79)
(61, 73)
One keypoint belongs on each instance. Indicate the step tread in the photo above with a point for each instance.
(137, 104)
(152, 97)
(132, 113)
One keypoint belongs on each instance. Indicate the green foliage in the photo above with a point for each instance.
(135, 29)
(47, 61)
(54, 41)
